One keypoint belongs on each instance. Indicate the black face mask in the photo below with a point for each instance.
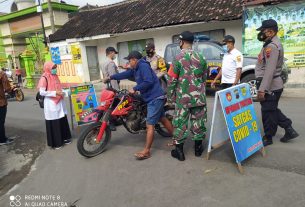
(261, 36)
(150, 54)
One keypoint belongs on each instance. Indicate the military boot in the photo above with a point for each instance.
(290, 133)
(198, 148)
(267, 141)
(178, 152)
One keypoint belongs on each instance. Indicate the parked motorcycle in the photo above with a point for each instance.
(16, 93)
(131, 111)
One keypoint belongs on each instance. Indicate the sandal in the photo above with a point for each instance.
(142, 156)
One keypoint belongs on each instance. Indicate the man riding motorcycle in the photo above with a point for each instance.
(151, 92)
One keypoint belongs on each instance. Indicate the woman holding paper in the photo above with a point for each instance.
(55, 111)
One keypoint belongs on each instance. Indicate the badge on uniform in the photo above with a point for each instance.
(268, 52)
(238, 58)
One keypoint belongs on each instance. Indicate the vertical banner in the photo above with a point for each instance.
(84, 100)
(76, 54)
(55, 55)
(291, 24)
(235, 118)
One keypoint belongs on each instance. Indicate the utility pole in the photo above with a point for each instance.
(40, 10)
(51, 16)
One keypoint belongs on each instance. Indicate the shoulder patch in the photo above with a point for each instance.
(238, 58)
(268, 51)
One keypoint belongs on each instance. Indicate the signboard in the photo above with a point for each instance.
(291, 23)
(76, 54)
(55, 54)
(234, 118)
(84, 100)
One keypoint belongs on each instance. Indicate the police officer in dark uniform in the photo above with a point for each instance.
(270, 84)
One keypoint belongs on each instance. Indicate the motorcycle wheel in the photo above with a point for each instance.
(19, 95)
(86, 144)
(169, 113)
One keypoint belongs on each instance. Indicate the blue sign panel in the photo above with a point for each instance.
(55, 54)
(240, 116)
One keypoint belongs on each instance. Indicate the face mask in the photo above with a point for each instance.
(54, 71)
(150, 54)
(261, 36)
(113, 58)
(225, 48)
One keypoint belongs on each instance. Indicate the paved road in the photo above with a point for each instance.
(115, 178)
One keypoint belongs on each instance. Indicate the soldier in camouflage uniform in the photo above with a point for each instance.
(186, 88)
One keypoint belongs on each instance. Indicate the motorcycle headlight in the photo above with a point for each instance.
(103, 103)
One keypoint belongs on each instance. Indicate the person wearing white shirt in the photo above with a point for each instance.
(55, 111)
(232, 64)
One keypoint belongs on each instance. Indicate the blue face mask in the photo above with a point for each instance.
(225, 48)
(54, 71)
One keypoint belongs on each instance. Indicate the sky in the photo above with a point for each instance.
(5, 6)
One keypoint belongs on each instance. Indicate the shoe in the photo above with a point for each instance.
(198, 148)
(56, 148)
(68, 141)
(178, 152)
(267, 141)
(8, 141)
(290, 133)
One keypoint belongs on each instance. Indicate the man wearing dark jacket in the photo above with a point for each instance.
(151, 92)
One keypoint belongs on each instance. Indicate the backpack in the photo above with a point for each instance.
(40, 98)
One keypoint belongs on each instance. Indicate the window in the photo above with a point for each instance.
(217, 35)
(210, 51)
(124, 48)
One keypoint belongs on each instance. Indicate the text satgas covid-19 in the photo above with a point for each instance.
(240, 120)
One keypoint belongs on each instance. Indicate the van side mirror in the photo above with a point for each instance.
(221, 55)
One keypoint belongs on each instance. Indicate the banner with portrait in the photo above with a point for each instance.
(291, 23)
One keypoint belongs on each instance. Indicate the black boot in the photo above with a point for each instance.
(178, 152)
(198, 148)
(290, 133)
(267, 141)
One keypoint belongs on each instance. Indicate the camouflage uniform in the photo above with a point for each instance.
(186, 88)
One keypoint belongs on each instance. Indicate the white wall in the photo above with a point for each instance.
(164, 36)
(161, 36)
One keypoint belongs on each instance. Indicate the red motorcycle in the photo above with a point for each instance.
(121, 106)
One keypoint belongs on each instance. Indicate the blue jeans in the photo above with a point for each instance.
(155, 111)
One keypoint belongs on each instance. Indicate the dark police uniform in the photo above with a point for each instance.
(268, 75)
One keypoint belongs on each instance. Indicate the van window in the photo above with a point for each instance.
(209, 51)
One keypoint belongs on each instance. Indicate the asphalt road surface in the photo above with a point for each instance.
(114, 178)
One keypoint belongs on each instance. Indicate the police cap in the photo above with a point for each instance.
(266, 24)
(228, 38)
(111, 49)
(187, 36)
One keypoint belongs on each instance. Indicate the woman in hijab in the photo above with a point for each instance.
(58, 130)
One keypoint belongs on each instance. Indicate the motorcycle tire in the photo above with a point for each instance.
(169, 112)
(88, 136)
(19, 95)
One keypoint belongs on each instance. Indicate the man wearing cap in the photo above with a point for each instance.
(232, 64)
(157, 63)
(110, 68)
(186, 88)
(151, 92)
(270, 84)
